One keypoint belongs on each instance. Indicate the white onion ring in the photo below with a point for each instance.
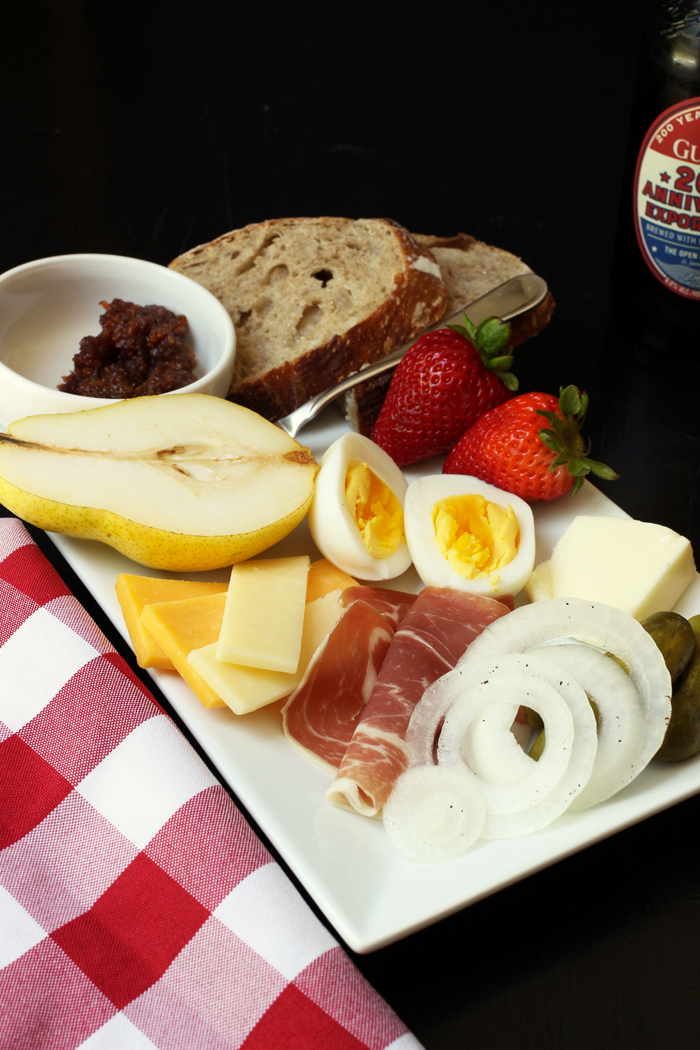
(490, 747)
(426, 720)
(544, 789)
(434, 813)
(621, 729)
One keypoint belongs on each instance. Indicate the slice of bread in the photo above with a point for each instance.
(313, 300)
(469, 269)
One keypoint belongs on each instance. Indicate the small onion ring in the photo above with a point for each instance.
(434, 813)
(490, 747)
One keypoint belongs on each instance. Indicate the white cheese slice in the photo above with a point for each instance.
(246, 689)
(636, 566)
(264, 614)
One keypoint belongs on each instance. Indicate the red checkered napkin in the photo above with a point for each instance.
(137, 908)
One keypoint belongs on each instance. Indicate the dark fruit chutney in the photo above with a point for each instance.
(140, 350)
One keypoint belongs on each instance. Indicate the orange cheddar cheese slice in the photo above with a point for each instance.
(135, 592)
(181, 626)
(325, 577)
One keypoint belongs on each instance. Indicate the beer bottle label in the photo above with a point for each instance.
(667, 198)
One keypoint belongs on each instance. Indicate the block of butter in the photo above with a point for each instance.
(636, 566)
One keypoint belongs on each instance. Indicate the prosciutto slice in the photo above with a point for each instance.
(320, 716)
(432, 637)
(393, 605)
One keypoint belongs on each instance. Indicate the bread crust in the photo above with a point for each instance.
(417, 298)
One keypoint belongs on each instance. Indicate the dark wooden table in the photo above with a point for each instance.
(138, 130)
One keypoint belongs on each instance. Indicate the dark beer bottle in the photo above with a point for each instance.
(656, 268)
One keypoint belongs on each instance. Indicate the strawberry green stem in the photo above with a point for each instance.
(489, 339)
(563, 437)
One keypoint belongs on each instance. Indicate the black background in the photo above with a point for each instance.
(144, 129)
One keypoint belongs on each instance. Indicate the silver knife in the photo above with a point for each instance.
(508, 300)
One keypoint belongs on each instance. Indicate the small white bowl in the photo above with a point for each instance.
(47, 306)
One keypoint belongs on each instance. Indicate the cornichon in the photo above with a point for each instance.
(533, 719)
(682, 738)
(674, 636)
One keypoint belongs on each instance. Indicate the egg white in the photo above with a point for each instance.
(432, 566)
(332, 525)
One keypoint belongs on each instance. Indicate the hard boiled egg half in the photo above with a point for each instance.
(464, 533)
(356, 517)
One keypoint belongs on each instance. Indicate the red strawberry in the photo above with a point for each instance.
(446, 381)
(509, 448)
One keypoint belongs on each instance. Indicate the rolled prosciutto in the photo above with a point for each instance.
(432, 637)
(322, 713)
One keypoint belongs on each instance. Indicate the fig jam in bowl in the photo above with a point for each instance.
(48, 306)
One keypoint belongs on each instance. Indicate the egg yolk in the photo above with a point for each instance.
(375, 510)
(476, 536)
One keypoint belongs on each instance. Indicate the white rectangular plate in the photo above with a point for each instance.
(370, 893)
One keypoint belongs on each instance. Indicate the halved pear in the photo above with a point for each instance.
(185, 482)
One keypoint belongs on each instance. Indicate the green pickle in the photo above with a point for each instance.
(674, 636)
(682, 738)
(538, 747)
(533, 719)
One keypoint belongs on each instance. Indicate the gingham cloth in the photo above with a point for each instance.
(137, 908)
